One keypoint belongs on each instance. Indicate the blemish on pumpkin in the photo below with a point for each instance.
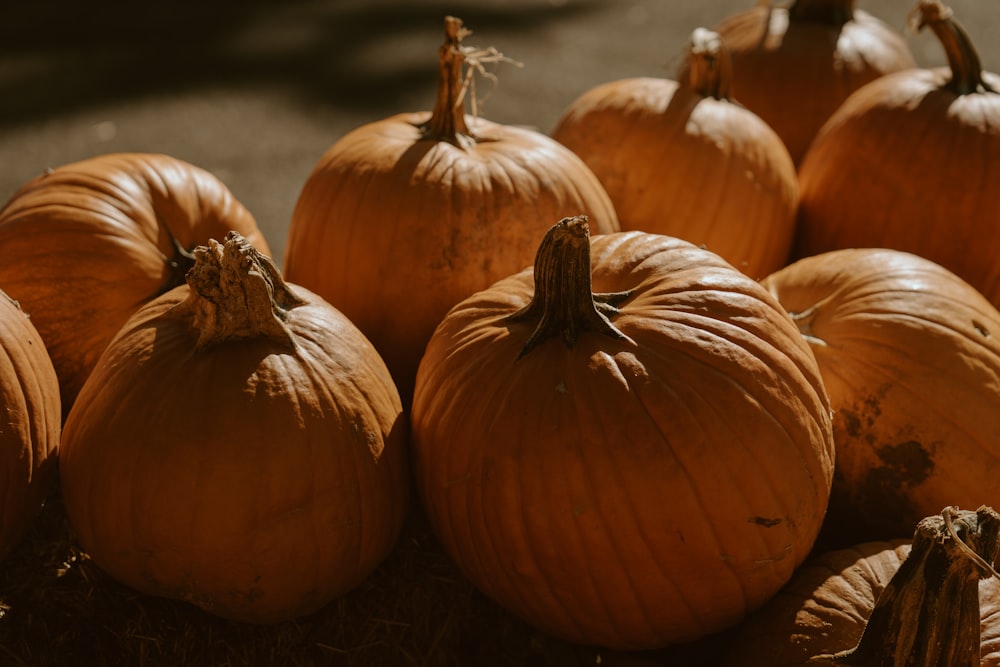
(561, 388)
(981, 328)
(763, 521)
(903, 466)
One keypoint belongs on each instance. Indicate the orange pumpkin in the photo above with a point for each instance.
(404, 217)
(906, 163)
(239, 445)
(628, 445)
(795, 65)
(682, 158)
(887, 603)
(910, 356)
(84, 245)
(30, 419)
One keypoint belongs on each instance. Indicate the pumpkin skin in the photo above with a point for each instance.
(84, 245)
(29, 431)
(826, 606)
(449, 201)
(625, 492)
(255, 468)
(794, 66)
(905, 164)
(682, 158)
(911, 360)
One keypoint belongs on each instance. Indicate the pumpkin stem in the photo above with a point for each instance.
(447, 122)
(237, 293)
(563, 303)
(928, 614)
(963, 59)
(709, 67)
(178, 264)
(829, 12)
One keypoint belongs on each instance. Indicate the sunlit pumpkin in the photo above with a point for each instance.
(30, 421)
(239, 445)
(683, 158)
(908, 163)
(628, 445)
(910, 356)
(84, 245)
(794, 64)
(404, 217)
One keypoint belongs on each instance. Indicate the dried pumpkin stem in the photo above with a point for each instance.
(178, 264)
(237, 293)
(564, 304)
(928, 615)
(963, 59)
(447, 122)
(709, 67)
(829, 12)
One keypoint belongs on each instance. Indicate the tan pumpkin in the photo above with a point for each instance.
(239, 445)
(795, 64)
(683, 158)
(628, 445)
(30, 422)
(930, 602)
(404, 217)
(910, 356)
(907, 163)
(84, 245)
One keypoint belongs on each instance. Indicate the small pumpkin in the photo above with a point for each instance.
(906, 163)
(30, 424)
(404, 217)
(910, 357)
(239, 445)
(627, 445)
(795, 65)
(900, 602)
(84, 245)
(683, 158)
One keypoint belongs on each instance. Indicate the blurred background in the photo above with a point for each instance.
(256, 91)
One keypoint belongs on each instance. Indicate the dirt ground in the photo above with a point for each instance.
(256, 91)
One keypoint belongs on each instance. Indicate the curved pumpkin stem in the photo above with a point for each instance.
(963, 59)
(829, 12)
(447, 122)
(709, 70)
(564, 303)
(237, 293)
(178, 264)
(928, 614)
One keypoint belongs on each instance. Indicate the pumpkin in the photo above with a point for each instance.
(896, 602)
(628, 445)
(404, 217)
(30, 424)
(239, 445)
(906, 164)
(682, 158)
(84, 245)
(910, 357)
(795, 65)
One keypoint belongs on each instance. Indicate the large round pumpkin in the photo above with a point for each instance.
(795, 64)
(683, 158)
(630, 467)
(910, 356)
(404, 217)
(239, 445)
(84, 245)
(928, 601)
(908, 162)
(30, 420)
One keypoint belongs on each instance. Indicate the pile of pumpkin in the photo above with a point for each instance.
(710, 355)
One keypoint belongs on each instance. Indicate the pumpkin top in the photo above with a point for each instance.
(963, 59)
(709, 69)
